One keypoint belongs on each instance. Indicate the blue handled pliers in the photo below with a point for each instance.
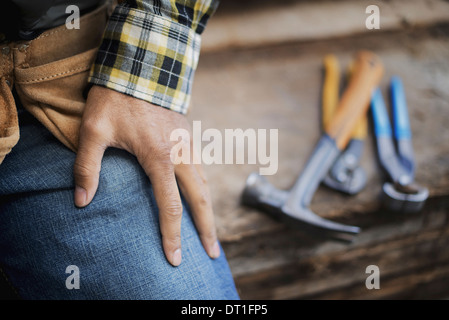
(401, 192)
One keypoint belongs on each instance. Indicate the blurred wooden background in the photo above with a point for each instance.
(261, 67)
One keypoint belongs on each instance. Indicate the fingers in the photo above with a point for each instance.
(168, 200)
(144, 131)
(165, 179)
(194, 187)
(87, 166)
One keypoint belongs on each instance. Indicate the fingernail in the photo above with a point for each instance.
(177, 257)
(215, 250)
(80, 197)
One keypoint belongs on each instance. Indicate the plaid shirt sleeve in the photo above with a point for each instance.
(150, 50)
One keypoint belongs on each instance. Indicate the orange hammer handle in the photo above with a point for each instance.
(354, 104)
(331, 87)
(361, 128)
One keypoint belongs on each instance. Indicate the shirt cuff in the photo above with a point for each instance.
(149, 57)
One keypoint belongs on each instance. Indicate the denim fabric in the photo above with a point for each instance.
(115, 241)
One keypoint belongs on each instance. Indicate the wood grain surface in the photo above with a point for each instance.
(278, 86)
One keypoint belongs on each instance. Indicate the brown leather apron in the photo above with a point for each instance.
(49, 74)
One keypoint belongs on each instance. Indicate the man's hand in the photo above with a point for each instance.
(113, 119)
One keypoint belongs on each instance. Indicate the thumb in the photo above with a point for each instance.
(87, 170)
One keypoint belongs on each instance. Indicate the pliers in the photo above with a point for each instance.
(346, 174)
(401, 192)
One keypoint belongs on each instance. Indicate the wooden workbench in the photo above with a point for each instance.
(276, 85)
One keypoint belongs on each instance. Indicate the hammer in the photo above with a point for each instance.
(292, 206)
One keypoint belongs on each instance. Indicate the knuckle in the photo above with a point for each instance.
(164, 163)
(82, 170)
(162, 152)
(173, 211)
(203, 200)
(155, 158)
(204, 180)
(145, 157)
(92, 127)
(210, 234)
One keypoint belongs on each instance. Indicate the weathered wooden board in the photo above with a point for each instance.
(258, 23)
(410, 253)
(279, 87)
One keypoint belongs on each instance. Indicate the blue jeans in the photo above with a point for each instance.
(115, 241)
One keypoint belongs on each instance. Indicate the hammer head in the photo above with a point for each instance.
(259, 193)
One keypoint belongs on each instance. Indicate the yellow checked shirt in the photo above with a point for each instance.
(150, 50)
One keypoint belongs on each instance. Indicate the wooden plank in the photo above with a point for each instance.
(428, 283)
(255, 254)
(279, 87)
(273, 80)
(416, 255)
(260, 24)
